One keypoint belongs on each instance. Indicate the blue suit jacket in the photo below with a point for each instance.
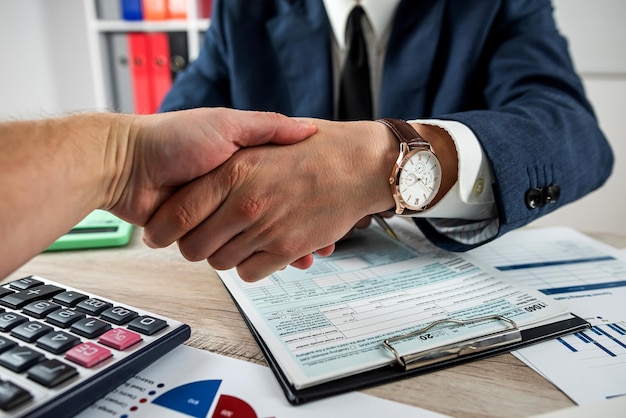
(498, 66)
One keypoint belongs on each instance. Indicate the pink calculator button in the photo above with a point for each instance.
(88, 354)
(119, 338)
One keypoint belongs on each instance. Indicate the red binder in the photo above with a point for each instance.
(159, 67)
(205, 8)
(140, 77)
(150, 70)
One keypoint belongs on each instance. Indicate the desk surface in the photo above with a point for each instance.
(162, 281)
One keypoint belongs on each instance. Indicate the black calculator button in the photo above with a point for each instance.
(50, 373)
(25, 283)
(18, 299)
(40, 309)
(90, 327)
(69, 298)
(4, 291)
(9, 320)
(12, 396)
(147, 325)
(93, 306)
(31, 331)
(64, 317)
(6, 343)
(57, 342)
(20, 358)
(119, 315)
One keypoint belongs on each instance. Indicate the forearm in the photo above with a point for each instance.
(54, 172)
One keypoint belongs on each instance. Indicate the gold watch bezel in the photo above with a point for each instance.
(405, 154)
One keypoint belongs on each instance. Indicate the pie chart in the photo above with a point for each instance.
(196, 399)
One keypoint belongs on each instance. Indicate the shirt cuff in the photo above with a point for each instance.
(471, 197)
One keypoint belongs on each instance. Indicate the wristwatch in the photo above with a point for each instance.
(417, 176)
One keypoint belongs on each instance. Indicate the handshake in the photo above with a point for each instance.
(252, 190)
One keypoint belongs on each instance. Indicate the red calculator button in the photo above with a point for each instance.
(87, 354)
(119, 338)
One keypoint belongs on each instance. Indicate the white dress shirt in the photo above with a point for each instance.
(468, 208)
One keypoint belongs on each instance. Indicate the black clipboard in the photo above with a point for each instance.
(395, 372)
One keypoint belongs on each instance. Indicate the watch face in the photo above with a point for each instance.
(419, 179)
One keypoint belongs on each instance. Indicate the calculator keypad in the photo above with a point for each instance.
(19, 299)
(88, 354)
(51, 335)
(119, 338)
(12, 396)
(118, 315)
(51, 372)
(57, 342)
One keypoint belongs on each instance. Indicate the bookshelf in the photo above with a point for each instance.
(104, 20)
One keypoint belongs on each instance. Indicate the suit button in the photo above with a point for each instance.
(534, 198)
(551, 193)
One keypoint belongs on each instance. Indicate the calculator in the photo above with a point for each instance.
(98, 229)
(61, 349)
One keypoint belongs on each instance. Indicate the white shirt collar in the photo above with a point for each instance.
(379, 13)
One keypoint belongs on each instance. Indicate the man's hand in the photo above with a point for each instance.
(169, 150)
(269, 206)
(127, 164)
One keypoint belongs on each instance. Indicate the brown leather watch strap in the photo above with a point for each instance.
(440, 144)
(405, 132)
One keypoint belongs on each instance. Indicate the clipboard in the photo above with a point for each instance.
(510, 338)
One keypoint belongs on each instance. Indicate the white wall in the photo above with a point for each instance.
(597, 37)
(46, 70)
(45, 66)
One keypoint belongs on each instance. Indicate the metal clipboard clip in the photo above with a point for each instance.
(486, 342)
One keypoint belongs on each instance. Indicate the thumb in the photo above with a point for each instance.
(263, 127)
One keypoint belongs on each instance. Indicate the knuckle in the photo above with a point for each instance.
(275, 117)
(237, 168)
(182, 218)
(251, 208)
(252, 203)
(272, 118)
(275, 120)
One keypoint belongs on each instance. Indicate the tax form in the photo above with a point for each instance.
(329, 321)
(589, 366)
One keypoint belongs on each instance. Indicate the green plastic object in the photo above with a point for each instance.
(98, 230)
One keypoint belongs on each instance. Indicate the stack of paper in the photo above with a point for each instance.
(590, 278)
(322, 329)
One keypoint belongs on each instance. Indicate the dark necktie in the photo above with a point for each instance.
(355, 97)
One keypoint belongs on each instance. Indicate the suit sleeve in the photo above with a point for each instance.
(538, 130)
(205, 82)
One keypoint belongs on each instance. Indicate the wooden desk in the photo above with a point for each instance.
(162, 281)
